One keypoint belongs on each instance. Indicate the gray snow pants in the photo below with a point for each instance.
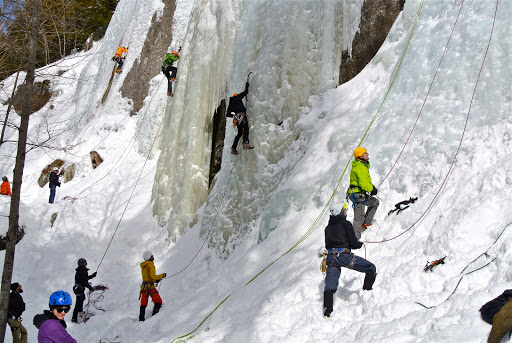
(361, 215)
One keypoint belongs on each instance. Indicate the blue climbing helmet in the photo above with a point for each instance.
(60, 298)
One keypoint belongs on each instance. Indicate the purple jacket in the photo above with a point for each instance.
(51, 330)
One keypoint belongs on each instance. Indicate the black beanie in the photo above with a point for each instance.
(14, 286)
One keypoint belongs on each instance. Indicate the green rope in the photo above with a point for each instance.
(320, 216)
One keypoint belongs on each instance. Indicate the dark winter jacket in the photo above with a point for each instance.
(339, 233)
(494, 306)
(82, 278)
(51, 329)
(54, 179)
(16, 304)
(235, 102)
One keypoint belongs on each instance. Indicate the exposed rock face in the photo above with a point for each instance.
(96, 159)
(219, 132)
(44, 178)
(69, 173)
(377, 17)
(136, 84)
(40, 96)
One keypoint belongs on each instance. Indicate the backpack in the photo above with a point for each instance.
(489, 310)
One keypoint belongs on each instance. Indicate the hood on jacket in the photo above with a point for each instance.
(39, 319)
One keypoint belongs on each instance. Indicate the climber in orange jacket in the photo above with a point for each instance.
(147, 289)
(119, 58)
(5, 189)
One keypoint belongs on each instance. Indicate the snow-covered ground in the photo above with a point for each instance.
(267, 205)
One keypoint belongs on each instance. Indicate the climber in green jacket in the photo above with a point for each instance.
(362, 192)
(169, 70)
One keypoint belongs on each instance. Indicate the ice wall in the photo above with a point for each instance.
(130, 21)
(293, 49)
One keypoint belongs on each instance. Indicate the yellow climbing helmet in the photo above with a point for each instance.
(358, 152)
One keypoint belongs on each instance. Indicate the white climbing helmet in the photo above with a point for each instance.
(336, 207)
(147, 255)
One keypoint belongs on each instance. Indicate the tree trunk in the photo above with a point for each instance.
(18, 175)
(9, 107)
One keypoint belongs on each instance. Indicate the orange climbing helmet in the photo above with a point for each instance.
(358, 152)
(175, 53)
(235, 94)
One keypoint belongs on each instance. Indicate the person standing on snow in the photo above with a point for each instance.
(5, 188)
(82, 278)
(148, 289)
(16, 308)
(118, 57)
(362, 192)
(169, 70)
(237, 107)
(339, 240)
(54, 182)
(51, 324)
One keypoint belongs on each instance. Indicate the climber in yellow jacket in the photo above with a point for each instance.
(147, 289)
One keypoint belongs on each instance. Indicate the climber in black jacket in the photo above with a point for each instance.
(339, 240)
(237, 110)
(82, 278)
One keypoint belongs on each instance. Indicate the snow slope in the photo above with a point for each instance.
(267, 205)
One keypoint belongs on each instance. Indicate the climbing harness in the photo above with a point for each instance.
(431, 265)
(399, 208)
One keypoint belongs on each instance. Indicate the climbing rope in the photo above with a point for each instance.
(460, 141)
(485, 253)
(210, 229)
(133, 191)
(98, 297)
(320, 216)
(426, 96)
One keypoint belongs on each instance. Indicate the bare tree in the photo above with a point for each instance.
(18, 175)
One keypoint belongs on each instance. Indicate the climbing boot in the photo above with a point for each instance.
(328, 301)
(369, 279)
(247, 146)
(142, 313)
(156, 308)
(366, 226)
(233, 151)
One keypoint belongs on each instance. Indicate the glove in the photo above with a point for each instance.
(165, 275)
(113, 58)
(359, 244)
(59, 184)
(94, 274)
(374, 191)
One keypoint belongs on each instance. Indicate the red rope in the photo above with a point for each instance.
(461, 139)
(426, 97)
